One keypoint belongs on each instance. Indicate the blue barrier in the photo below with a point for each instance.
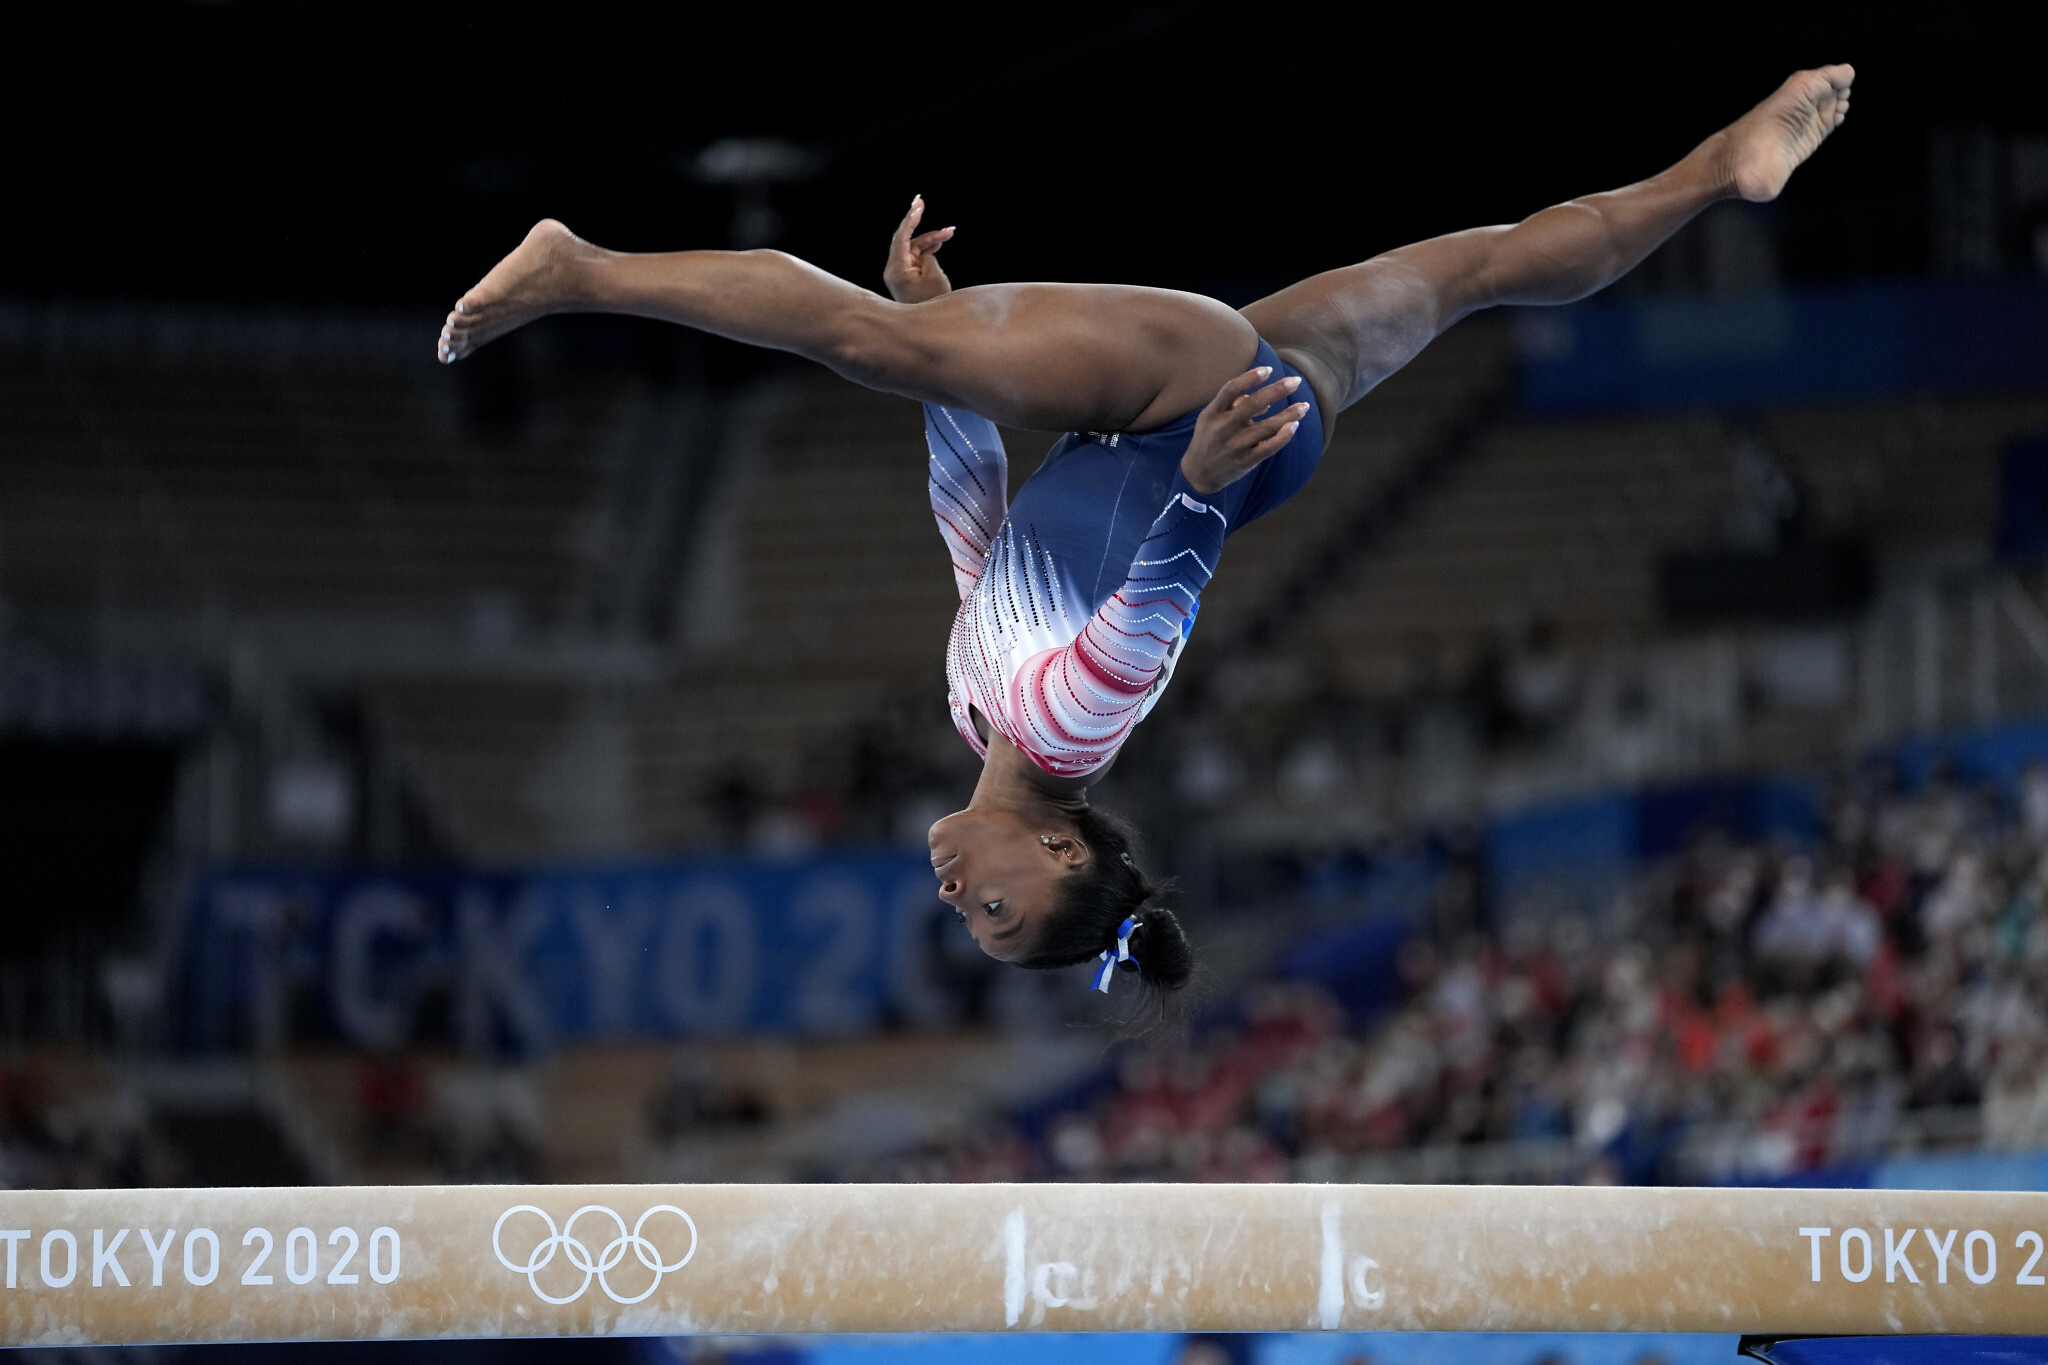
(2022, 536)
(1576, 857)
(1973, 1170)
(1282, 1348)
(518, 962)
(1935, 1350)
(1572, 858)
(1841, 344)
(1500, 1348)
(1035, 1348)
(1997, 756)
(1963, 1171)
(1357, 964)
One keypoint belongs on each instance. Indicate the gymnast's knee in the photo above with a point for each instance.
(875, 342)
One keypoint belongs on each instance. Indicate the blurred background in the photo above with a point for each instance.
(1628, 762)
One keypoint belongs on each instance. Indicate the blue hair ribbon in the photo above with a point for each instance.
(1111, 957)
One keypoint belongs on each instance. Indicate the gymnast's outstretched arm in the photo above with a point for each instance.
(1349, 329)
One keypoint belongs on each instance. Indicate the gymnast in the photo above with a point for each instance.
(1184, 419)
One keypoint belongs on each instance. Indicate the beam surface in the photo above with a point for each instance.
(109, 1266)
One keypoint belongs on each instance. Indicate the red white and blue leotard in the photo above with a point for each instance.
(1076, 599)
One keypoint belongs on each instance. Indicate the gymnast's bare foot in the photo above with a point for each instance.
(536, 279)
(1767, 144)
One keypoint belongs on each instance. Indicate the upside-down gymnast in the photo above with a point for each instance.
(1185, 420)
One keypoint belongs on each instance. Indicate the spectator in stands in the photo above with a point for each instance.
(734, 803)
(2016, 1100)
(1768, 511)
(694, 1099)
(2034, 799)
(391, 1093)
(1542, 683)
(58, 1134)
(1810, 934)
(490, 1124)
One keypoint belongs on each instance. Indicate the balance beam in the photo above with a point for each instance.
(335, 1264)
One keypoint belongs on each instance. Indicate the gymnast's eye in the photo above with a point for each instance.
(994, 908)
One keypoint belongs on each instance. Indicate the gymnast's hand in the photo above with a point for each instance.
(913, 274)
(1231, 439)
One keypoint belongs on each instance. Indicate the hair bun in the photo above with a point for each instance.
(1165, 958)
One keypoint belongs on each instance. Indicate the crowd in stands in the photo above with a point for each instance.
(59, 1136)
(882, 782)
(1749, 1008)
(1753, 1009)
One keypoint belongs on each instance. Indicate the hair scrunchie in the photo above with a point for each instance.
(1112, 958)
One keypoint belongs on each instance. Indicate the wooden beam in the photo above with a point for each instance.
(114, 1266)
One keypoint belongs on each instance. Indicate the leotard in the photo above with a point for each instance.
(1076, 599)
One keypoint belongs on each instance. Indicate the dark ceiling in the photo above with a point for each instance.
(383, 152)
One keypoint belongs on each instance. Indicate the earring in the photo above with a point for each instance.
(1045, 839)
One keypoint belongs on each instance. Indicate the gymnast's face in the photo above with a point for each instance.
(1001, 872)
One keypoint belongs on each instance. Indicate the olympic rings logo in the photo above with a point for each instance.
(578, 1254)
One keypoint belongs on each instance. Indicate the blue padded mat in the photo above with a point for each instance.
(1904, 1350)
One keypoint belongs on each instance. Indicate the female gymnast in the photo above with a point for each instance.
(1185, 420)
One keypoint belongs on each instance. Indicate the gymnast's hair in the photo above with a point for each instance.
(1098, 897)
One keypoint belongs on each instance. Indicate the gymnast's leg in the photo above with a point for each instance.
(1053, 357)
(1349, 329)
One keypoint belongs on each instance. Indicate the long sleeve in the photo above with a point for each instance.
(969, 482)
(1080, 702)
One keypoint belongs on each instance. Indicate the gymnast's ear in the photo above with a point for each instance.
(1069, 849)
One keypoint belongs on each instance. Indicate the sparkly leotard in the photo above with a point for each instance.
(1076, 600)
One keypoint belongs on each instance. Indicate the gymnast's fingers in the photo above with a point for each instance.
(925, 243)
(1268, 396)
(1227, 397)
(1275, 443)
(909, 223)
(1257, 433)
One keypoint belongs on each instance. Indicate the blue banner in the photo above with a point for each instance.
(1577, 857)
(1843, 343)
(520, 961)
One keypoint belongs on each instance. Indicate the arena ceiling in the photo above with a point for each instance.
(357, 152)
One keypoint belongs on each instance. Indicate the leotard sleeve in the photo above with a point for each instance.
(1080, 702)
(969, 478)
